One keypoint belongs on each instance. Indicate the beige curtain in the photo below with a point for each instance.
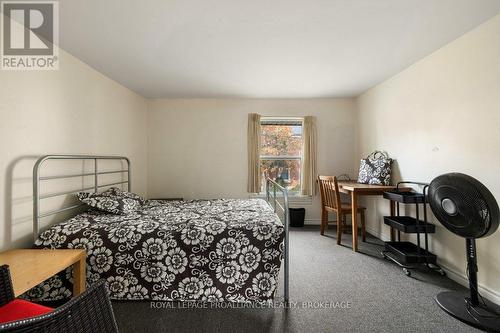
(253, 146)
(309, 156)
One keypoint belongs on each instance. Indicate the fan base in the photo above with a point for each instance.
(454, 304)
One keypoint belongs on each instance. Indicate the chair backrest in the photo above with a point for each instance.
(6, 290)
(329, 190)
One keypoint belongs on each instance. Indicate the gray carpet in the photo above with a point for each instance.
(381, 298)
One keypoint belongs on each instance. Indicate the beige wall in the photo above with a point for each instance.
(442, 115)
(197, 147)
(74, 110)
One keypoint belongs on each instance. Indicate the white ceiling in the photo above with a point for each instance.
(261, 48)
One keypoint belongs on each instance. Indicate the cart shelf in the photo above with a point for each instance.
(408, 253)
(409, 225)
(405, 197)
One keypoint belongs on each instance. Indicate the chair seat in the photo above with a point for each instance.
(20, 309)
(349, 207)
(346, 208)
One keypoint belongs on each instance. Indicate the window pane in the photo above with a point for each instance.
(281, 140)
(284, 172)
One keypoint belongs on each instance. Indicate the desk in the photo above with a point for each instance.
(30, 267)
(354, 190)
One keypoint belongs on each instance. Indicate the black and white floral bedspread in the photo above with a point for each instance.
(206, 250)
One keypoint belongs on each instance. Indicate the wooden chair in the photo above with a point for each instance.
(330, 202)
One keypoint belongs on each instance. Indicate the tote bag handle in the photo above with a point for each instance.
(377, 154)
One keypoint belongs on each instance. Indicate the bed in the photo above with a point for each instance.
(220, 250)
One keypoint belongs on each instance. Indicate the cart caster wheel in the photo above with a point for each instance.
(407, 272)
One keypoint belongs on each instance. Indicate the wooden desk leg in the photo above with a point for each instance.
(79, 276)
(354, 217)
(393, 212)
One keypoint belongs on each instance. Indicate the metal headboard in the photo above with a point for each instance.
(37, 180)
(272, 191)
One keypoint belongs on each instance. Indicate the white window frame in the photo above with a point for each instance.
(286, 120)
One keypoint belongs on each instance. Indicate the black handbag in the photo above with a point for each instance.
(375, 169)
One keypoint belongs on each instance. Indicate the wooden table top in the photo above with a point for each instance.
(29, 267)
(353, 186)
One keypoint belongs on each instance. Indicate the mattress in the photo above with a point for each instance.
(203, 250)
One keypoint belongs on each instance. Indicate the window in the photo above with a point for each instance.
(281, 152)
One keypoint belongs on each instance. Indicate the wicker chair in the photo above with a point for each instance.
(89, 312)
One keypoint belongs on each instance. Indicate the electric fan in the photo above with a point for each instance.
(465, 207)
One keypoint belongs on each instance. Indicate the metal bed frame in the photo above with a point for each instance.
(38, 179)
(274, 192)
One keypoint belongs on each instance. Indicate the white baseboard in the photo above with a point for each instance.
(312, 222)
(458, 277)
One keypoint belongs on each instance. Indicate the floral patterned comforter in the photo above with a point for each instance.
(206, 250)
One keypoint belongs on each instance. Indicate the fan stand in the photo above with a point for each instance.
(471, 310)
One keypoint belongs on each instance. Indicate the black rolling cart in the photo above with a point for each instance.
(406, 254)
